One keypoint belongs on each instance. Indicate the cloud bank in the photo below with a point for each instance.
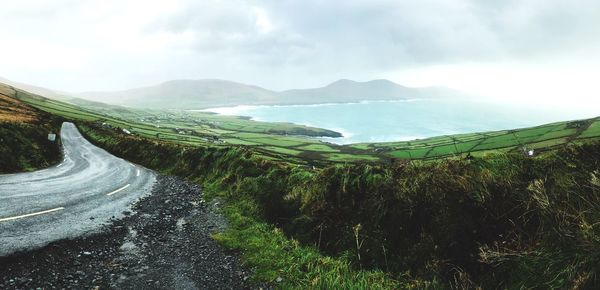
(79, 45)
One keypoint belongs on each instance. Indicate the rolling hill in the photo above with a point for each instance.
(211, 93)
(23, 134)
(57, 95)
(200, 94)
(350, 91)
(187, 94)
(285, 141)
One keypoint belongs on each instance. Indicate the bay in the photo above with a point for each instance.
(385, 121)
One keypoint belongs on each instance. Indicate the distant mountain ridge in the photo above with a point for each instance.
(350, 91)
(211, 93)
(187, 94)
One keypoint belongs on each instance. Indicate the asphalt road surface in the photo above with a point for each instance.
(73, 198)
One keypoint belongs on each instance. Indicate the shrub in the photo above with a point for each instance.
(505, 220)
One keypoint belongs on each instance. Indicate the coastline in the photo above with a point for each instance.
(396, 120)
(347, 133)
(235, 110)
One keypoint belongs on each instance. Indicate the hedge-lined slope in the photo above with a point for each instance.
(24, 144)
(502, 221)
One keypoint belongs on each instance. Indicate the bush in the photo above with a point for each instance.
(25, 146)
(501, 221)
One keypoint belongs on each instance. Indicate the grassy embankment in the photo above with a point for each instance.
(23, 135)
(265, 247)
(502, 220)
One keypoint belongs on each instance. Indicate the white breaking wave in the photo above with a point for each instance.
(229, 111)
(242, 109)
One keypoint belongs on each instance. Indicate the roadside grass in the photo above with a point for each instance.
(25, 147)
(287, 264)
(274, 257)
(23, 135)
(499, 221)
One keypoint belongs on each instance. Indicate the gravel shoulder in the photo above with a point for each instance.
(165, 244)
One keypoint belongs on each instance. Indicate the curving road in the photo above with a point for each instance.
(73, 198)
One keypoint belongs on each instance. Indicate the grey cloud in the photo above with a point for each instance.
(383, 35)
(230, 26)
(434, 31)
(315, 41)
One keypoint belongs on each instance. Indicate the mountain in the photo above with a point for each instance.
(345, 91)
(211, 93)
(200, 94)
(188, 94)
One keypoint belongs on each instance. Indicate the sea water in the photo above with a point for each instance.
(382, 121)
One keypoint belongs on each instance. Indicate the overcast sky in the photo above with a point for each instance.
(498, 48)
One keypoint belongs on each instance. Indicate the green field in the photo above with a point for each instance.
(544, 137)
(292, 142)
(362, 226)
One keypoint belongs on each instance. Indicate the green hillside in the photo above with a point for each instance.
(539, 138)
(499, 220)
(290, 142)
(24, 144)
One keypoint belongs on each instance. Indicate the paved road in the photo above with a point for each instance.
(70, 199)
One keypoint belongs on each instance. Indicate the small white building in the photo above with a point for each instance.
(528, 151)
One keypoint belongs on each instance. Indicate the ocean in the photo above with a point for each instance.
(383, 121)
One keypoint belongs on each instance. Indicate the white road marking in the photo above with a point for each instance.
(122, 188)
(138, 173)
(59, 165)
(31, 214)
(132, 165)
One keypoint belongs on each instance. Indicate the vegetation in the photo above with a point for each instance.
(291, 265)
(500, 221)
(283, 141)
(265, 247)
(497, 219)
(289, 142)
(24, 144)
(544, 137)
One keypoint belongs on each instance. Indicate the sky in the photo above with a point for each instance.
(519, 50)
